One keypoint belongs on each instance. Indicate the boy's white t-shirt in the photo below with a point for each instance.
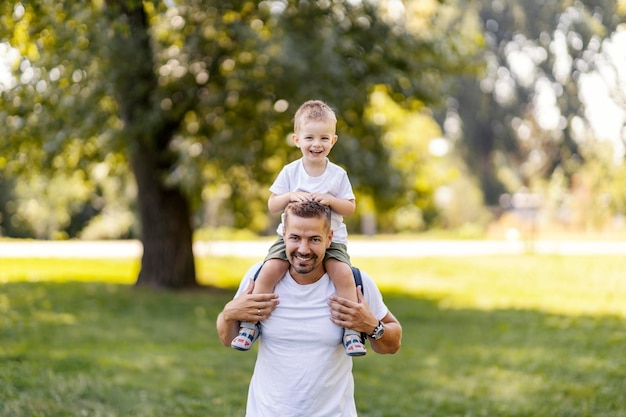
(334, 180)
(302, 369)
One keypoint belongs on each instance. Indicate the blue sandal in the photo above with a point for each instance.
(248, 333)
(353, 343)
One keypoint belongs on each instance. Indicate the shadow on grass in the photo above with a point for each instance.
(95, 349)
(468, 362)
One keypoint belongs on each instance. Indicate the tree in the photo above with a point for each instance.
(523, 118)
(199, 90)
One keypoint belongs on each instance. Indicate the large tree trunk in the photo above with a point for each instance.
(166, 234)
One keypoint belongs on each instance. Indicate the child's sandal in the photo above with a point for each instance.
(248, 333)
(353, 343)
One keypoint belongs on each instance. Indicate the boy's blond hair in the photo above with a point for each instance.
(315, 110)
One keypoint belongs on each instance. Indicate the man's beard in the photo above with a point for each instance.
(308, 266)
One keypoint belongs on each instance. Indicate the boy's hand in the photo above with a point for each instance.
(338, 205)
(325, 199)
(300, 196)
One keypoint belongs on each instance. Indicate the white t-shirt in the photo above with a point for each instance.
(334, 180)
(302, 369)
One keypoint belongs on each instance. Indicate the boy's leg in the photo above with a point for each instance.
(272, 271)
(341, 275)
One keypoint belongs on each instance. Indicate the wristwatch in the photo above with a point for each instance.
(378, 331)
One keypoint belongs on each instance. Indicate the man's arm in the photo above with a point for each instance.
(245, 307)
(392, 338)
(359, 317)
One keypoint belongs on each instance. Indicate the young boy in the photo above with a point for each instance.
(312, 177)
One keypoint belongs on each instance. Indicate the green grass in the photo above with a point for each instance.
(483, 336)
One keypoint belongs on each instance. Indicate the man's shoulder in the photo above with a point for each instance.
(363, 275)
(254, 270)
(367, 282)
(250, 274)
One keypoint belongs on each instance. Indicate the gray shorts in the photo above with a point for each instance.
(337, 251)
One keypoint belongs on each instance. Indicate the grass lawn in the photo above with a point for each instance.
(535, 336)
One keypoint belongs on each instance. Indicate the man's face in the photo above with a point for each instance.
(306, 241)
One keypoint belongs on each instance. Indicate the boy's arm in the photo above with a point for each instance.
(277, 202)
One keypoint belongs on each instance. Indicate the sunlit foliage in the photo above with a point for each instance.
(227, 77)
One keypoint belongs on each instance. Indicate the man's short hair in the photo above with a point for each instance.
(308, 210)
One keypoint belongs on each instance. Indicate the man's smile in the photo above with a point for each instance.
(303, 258)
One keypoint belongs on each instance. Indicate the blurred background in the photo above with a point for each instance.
(163, 120)
(137, 137)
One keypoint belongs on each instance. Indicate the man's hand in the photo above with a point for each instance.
(246, 307)
(250, 307)
(359, 317)
(350, 315)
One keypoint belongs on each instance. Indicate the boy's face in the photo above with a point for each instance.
(315, 139)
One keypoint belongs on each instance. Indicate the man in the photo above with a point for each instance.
(309, 375)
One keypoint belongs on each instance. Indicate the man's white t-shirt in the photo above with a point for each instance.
(334, 180)
(302, 369)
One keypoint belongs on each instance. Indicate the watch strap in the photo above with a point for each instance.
(378, 332)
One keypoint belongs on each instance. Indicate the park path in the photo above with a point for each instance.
(357, 248)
